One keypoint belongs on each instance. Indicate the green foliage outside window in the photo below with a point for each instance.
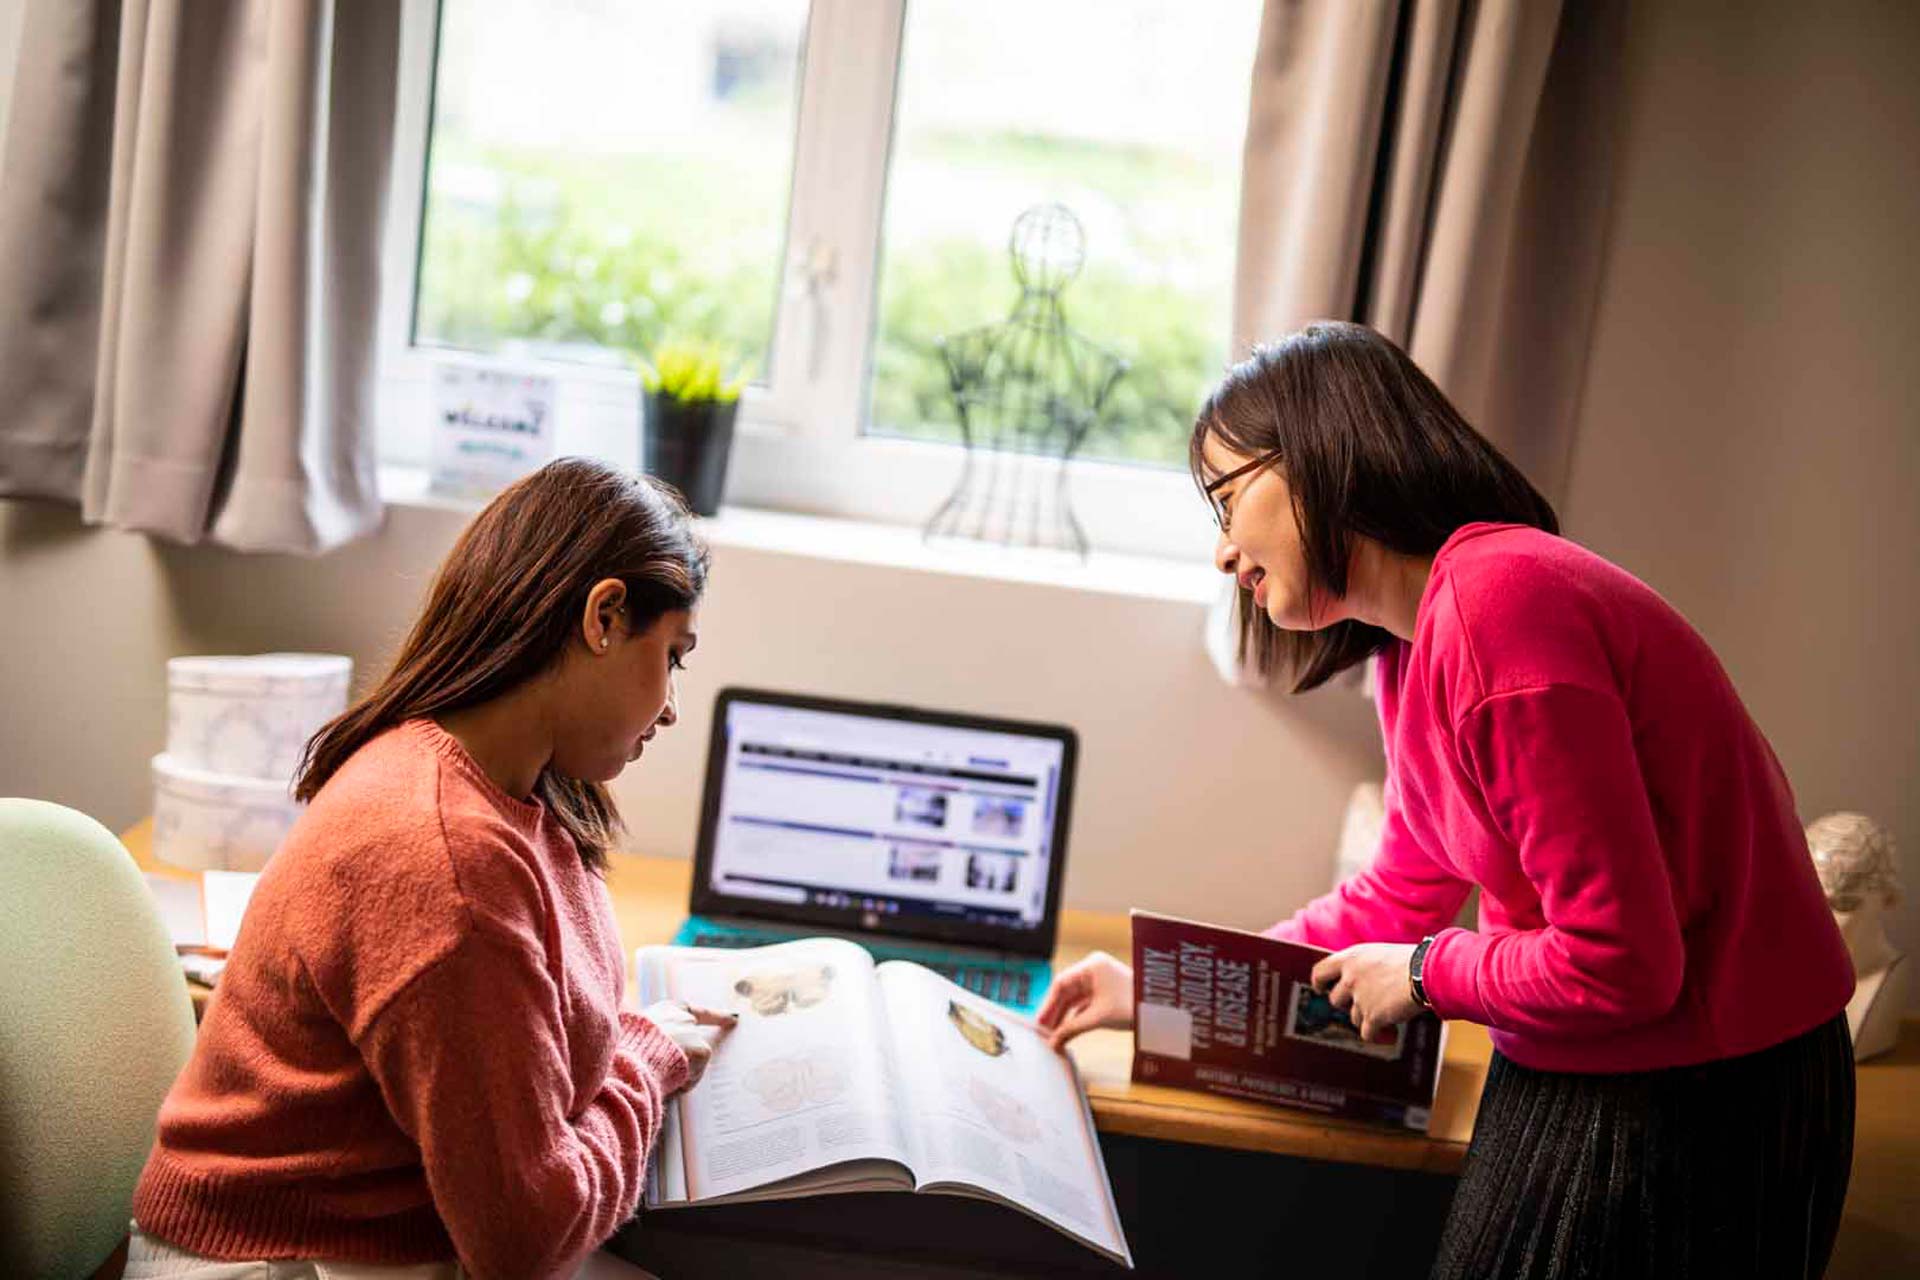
(594, 258)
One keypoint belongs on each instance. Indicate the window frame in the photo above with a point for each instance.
(800, 444)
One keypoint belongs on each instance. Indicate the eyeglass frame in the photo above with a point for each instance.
(1221, 516)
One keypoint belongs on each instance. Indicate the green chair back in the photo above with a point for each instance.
(95, 1023)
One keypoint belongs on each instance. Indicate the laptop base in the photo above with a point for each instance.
(1012, 981)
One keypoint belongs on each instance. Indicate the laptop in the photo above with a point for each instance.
(930, 836)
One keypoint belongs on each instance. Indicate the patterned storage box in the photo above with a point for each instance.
(251, 716)
(236, 727)
(216, 821)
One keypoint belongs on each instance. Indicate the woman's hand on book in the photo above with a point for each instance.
(694, 1029)
(1096, 992)
(1371, 983)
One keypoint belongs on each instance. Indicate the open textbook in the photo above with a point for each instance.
(844, 1075)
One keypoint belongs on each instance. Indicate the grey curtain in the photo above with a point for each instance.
(1440, 170)
(190, 211)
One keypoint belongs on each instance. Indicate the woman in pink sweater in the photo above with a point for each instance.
(419, 1055)
(1672, 1089)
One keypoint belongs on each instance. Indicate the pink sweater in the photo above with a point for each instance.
(1557, 735)
(417, 1051)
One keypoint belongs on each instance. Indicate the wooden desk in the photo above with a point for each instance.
(1880, 1235)
(650, 901)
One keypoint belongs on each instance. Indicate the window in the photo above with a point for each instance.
(1130, 114)
(827, 188)
(602, 174)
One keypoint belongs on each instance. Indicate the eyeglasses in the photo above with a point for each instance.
(1221, 516)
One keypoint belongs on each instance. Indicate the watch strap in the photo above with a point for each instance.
(1416, 967)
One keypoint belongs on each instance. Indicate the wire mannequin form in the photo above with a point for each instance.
(1027, 391)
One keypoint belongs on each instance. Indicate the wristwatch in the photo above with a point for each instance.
(1415, 968)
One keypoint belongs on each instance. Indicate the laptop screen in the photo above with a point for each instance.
(885, 819)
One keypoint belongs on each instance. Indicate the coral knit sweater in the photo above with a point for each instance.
(417, 1051)
(1557, 735)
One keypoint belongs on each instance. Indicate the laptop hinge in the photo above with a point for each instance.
(868, 939)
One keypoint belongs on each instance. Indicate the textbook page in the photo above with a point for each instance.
(994, 1108)
(798, 1085)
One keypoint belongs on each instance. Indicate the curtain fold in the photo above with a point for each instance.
(1321, 73)
(1471, 228)
(1426, 80)
(227, 341)
(1440, 170)
(53, 214)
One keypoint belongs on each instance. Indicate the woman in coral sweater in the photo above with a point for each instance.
(1672, 1089)
(419, 1056)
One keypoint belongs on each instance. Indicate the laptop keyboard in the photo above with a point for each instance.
(1006, 986)
(731, 940)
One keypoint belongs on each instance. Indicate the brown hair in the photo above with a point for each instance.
(507, 600)
(1369, 447)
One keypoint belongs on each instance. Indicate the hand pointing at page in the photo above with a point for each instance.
(1096, 992)
(697, 1031)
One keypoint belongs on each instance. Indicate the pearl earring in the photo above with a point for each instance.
(603, 642)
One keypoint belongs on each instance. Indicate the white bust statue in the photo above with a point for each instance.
(1854, 856)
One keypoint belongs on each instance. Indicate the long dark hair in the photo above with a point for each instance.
(509, 597)
(1368, 446)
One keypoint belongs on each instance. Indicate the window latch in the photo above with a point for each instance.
(814, 272)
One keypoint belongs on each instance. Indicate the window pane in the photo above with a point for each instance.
(1131, 113)
(606, 173)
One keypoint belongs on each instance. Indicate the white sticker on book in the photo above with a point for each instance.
(1164, 1030)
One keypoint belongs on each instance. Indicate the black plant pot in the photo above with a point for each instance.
(686, 443)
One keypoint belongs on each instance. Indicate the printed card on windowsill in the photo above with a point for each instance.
(491, 426)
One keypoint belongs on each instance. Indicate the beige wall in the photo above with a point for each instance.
(1750, 437)
(1747, 445)
(1194, 797)
(86, 622)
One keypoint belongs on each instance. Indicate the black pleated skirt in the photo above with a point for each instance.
(1729, 1168)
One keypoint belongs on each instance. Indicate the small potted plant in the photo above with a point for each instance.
(689, 406)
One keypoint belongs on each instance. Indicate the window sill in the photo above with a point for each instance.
(895, 546)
